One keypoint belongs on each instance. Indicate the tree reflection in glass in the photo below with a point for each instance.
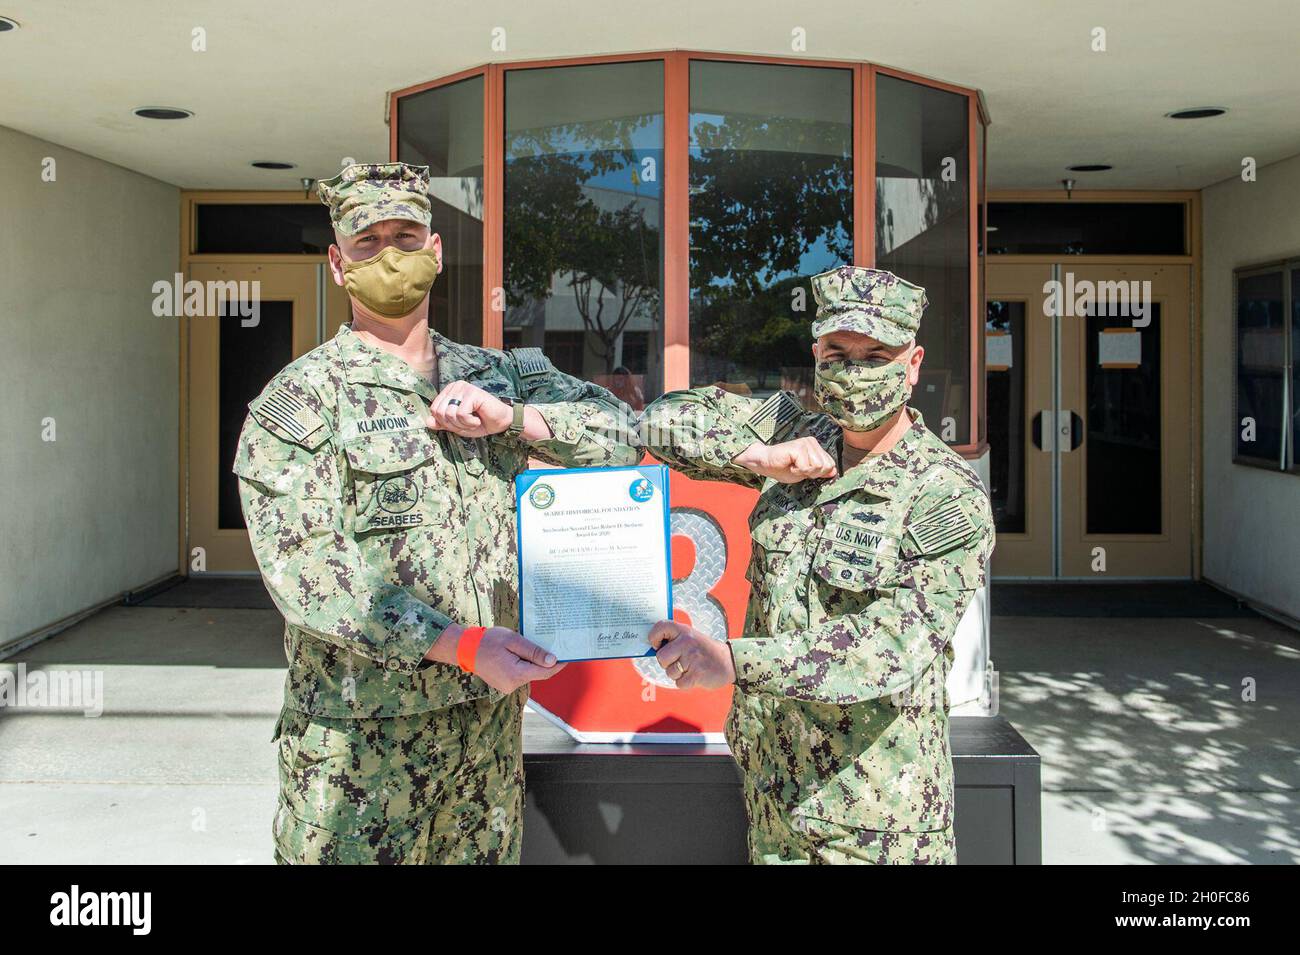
(583, 214)
(771, 204)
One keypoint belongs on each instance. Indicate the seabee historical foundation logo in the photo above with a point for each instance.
(641, 490)
(541, 496)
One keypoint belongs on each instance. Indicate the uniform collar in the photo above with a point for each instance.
(364, 363)
(879, 474)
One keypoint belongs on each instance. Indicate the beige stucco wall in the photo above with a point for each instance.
(1252, 517)
(94, 512)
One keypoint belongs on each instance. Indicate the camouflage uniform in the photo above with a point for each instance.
(373, 533)
(839, 719)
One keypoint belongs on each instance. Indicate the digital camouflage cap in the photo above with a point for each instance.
(871, 301)
(366, 193)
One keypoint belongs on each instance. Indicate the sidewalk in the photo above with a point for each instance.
(1149, 753)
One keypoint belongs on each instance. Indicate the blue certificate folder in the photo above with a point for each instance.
(587, 514)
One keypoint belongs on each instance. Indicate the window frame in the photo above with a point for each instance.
(676, 258)
(1285, 462)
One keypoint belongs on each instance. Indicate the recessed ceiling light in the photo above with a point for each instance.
(1197, 112)
(7, 25)
(162, 112)
(1090, 167)
(270, 164)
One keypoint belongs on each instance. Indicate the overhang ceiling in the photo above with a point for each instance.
(307, 82)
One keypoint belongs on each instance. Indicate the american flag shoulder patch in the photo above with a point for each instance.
(942, 528)
(530, 361)
(773, 419)
(284, 413)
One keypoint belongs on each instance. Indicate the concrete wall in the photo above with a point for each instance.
(1252, 517)
(93, 512)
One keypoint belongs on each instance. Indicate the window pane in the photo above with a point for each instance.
(293, 228)
(1261, 351)
(923, 235)
(771, 204)
(248, 357)
(442, 128)
(583, 214)
(1004, 336)
(1122, 382)
(1086, 228)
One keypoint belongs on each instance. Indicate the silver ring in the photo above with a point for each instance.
(453, 401)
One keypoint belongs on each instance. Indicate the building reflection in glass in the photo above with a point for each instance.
(582, 222)
(771, 204)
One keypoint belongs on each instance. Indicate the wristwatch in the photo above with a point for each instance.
(517, 422)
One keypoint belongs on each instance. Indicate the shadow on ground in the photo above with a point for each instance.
(1152, 749)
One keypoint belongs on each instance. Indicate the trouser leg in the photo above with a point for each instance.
(481, 821)
(444, 786)
(779, 837)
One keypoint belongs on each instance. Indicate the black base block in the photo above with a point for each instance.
(669, 804)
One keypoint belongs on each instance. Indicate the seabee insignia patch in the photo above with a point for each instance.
(944, 527)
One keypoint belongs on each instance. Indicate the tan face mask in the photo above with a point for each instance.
(392, 283)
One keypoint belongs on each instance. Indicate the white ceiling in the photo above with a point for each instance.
(306, 82)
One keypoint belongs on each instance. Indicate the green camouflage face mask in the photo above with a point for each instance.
(860, 395)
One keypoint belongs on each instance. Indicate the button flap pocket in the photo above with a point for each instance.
(391, 493)
(390, 453)
(779, 532)
(854, 556)
(779, 523)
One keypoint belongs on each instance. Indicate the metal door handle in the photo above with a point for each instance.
(1043, 430)
(1070, 430)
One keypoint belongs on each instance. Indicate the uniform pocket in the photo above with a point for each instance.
(775, 536)
(391, 492)
(302, 842)
(854, 556)
(357, 791)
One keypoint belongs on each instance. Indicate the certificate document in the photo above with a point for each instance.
(593, 559)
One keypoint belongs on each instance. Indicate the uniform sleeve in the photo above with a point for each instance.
(293, 502)
(699, 431)
(589, 426)
(885, 648)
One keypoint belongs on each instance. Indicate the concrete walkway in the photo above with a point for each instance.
(1149, 752)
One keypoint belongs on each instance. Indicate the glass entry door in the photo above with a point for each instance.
(1089, 419)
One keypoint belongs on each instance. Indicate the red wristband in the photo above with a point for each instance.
(467, 647)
